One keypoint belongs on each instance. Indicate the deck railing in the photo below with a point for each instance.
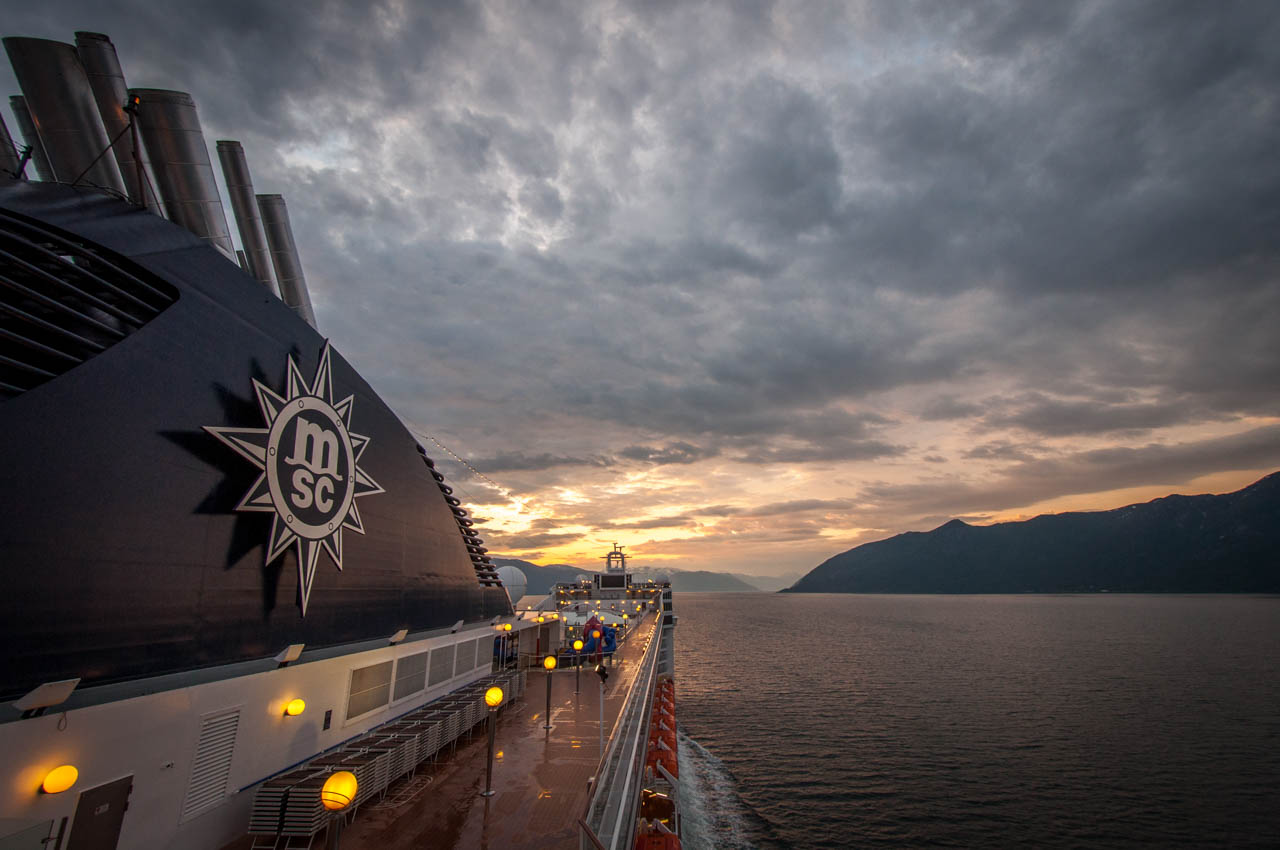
(609, 821)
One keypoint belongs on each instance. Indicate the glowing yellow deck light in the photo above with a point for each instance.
(541, 620)
(493, 697)
(59, 779)
(339, 790)
(506, 627)
(295, 707)
(549, 662)
(577, 646)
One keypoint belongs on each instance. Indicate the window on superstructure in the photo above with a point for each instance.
(466, 658)
(370, 689)
(442, 664)
(411, 675)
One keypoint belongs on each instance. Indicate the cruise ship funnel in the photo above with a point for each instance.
(235, 171)
(175, 144)
(63, 111)
(284, 256)
(30, 137)
(106, 79)
(8, 153)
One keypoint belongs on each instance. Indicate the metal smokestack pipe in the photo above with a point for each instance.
(240, 188)
(175, 144)
(64, 112)
(8, 153)
(284, 256)
(106, 79)
(27, 128)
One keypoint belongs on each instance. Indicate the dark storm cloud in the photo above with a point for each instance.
(497, 540)
(829, 451)
(677, 452)
(1041, 414)
(569, 235)
(949, 407)
(1001, 450)
(1073, 473)
(1111, 145)
(656, 522)
(799, 506)
(517, 461)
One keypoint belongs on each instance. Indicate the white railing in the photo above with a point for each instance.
(608, 823)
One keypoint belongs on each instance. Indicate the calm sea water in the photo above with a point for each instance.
(979, 721)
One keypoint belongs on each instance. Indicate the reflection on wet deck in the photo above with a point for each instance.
(540, 777)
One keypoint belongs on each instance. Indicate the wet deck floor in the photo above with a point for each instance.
(540, 780)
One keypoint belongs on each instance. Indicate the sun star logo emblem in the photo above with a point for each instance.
(309, 461)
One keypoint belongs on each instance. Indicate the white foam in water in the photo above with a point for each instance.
(713, 814)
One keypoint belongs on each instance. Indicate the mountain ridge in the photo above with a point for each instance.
(1228, 543)
(542, 578)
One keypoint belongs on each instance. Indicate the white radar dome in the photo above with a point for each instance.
(513, 579)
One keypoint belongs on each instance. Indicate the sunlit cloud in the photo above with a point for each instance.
(740, 290)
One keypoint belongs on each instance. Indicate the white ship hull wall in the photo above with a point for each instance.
(154, 737)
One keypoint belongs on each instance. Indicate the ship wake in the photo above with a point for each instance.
(713, 814)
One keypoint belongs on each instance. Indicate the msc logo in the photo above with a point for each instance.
(310, 469)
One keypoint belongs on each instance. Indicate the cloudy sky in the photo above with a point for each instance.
(743, 284)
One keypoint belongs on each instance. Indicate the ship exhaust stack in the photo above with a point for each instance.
(175, 144)
(30, 137)
(235, 171)
(284, 256)
(62, 106)
(106, 79)
(8, 153)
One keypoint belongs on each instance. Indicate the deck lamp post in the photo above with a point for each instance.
(493, 699)
(603, 673)
(577, 668)
(550, 663)
(336, 794)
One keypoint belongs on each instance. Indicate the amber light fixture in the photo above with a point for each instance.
(295, 707)
(550, 664)
(493, 699)
(339, 790)
(577, 668)
(59, 779)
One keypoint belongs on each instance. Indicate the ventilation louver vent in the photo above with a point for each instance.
(212, 765)
(486, 572)
(64, 300)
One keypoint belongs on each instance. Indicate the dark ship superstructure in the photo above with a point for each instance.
(209, 515)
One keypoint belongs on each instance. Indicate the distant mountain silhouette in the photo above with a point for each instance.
(696, 581)
(541, 579)
(1177, 544)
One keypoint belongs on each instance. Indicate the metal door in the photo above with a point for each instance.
(99, 816)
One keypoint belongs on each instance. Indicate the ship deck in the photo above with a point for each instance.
(540, 777)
